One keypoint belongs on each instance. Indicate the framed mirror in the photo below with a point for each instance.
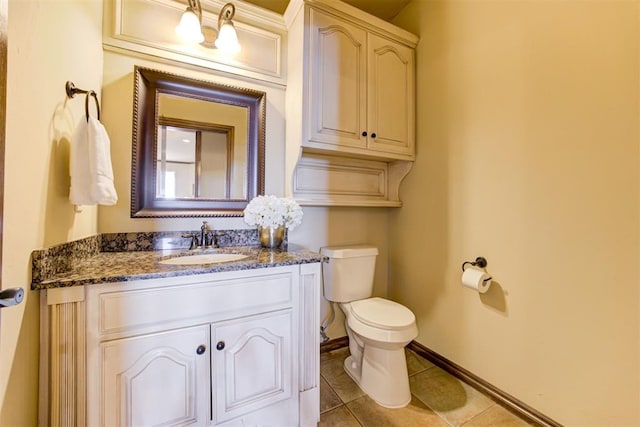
(198, 147)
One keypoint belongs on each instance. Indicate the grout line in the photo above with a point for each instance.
(478, 414)
(355, 417)
(433, 410)
(332, 408)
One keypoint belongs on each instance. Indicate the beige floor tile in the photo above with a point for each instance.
(340, 353)
(496, 416)
(328, 398)
(439, 399)
(339, 417)
(370, 414)
(416, 363)
(450, 398)
(333, 363)
(332, 370)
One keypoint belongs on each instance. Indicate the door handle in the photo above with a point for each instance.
(11, 296)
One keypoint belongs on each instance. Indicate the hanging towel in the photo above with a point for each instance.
(90, 165)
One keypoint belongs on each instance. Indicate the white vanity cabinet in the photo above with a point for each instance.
(236, 348)
(362, 90)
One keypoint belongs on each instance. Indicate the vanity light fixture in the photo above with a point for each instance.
(192, 30)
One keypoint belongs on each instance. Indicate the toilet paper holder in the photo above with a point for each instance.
(479, 262)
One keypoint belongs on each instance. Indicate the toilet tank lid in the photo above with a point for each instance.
(350, 251)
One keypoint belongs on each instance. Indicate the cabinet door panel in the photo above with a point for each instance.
(254, 369)
(391, 96)
(337, 72)
(158, 379)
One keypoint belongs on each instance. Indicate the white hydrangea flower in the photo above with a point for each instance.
(272, 211)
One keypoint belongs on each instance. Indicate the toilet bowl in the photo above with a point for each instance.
(378, 329)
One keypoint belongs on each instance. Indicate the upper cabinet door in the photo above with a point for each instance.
(337, 78)
(391, 96)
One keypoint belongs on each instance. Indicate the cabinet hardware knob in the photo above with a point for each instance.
(364, 133)
(201, 349)
(373, 135)
(220, 345)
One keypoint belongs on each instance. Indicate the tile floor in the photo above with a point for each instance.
(438, 399)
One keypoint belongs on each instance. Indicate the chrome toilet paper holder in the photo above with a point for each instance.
(479, 262)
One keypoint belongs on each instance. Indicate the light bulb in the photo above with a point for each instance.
(227, 40)
(189, 27)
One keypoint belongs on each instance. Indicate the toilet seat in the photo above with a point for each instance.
(382, 313)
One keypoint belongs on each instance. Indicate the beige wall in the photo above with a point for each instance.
(50, 42)
(528, 154)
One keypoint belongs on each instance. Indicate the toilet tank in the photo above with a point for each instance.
(348, 276)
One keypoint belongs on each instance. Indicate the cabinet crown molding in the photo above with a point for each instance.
(355, 15)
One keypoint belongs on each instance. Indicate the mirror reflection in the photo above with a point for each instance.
(202, 149)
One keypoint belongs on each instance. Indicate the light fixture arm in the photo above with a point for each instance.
(196, 7)
(226, 13)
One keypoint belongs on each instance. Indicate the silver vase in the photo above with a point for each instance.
(271, 237)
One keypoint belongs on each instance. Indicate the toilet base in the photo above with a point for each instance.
(383, 376)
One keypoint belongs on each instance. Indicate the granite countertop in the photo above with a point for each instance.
(105, 267)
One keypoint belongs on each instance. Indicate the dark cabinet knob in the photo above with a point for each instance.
(364, 133)
(373, 135)
(220, 345)
(201, 349)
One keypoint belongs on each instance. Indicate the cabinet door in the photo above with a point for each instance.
(253, 368)
(337, 72)
(159, 379)
(391, 92)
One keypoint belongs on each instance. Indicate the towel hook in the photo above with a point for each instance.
(72, 90)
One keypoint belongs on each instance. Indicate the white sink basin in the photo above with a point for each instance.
(203, 259)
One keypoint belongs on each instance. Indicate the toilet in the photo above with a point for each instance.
(378, 328)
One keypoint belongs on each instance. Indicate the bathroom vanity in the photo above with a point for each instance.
(227, 344)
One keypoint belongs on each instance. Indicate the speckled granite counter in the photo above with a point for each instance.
(94, 266)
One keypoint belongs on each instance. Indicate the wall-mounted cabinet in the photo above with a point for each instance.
(361, 90)
(350, 105)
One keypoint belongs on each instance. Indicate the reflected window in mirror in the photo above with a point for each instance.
(198, 161)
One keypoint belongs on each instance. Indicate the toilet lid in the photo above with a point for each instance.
(382, 313)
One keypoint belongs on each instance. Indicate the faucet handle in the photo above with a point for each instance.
(210, 239)
(194, 240)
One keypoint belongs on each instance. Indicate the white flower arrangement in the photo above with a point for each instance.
(272, 211)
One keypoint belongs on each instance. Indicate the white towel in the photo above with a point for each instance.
(90, 165)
